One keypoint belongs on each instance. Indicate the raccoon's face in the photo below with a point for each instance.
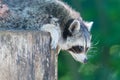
(77, 39)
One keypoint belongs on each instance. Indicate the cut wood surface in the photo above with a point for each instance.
(26, 55)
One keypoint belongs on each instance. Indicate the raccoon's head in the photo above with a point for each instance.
(77, 39)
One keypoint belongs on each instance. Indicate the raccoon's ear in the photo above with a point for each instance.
(89, 25)
(75, 25)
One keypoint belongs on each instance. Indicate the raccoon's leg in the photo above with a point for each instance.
(54, 32)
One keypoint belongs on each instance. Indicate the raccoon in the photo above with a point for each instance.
(67, 28)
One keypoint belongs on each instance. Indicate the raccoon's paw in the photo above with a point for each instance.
(54, 33)
(54, 38)
(54, 43)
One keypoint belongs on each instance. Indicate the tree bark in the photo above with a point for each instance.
(26, 55)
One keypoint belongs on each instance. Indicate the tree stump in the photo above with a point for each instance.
(26, 55)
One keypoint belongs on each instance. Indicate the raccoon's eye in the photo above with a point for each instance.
(81, 49)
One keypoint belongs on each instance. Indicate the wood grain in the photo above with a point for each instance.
(26, 55)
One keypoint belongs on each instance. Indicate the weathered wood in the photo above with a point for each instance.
(26, 55)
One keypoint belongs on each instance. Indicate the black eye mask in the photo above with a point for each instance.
(76, 49)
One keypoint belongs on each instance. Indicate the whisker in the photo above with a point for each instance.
(95, 43)
(94, 48)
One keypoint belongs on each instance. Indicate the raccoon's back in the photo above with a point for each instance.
(30, 16)
(33, 14)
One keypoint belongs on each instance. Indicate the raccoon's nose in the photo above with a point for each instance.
(85, 60)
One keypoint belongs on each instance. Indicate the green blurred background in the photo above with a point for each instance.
(104, 56)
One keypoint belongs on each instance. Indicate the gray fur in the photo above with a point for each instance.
(51, 14)
(36, 14)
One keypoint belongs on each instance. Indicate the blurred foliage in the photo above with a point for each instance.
(104, 56)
